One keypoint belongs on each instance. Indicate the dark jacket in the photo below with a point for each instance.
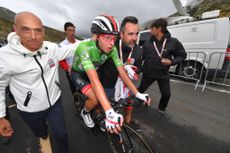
(108, 72)
(173, 50)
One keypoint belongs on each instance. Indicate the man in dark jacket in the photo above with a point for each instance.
(128, 51)
(159, 53)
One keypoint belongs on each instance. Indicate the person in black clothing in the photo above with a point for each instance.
(159, 53)
(129, 52)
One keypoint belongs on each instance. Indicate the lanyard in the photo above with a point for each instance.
(120, 52)
(162, 49)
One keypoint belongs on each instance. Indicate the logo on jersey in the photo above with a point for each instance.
(51, 63)
(84, 55)
(104, 57)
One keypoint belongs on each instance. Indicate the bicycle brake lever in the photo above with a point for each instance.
(119, 120)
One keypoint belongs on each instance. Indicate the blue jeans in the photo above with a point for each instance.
(55, 117)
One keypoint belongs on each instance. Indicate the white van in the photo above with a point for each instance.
(201, 39)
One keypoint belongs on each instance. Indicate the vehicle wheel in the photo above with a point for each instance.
(128, 141)
(190, 70)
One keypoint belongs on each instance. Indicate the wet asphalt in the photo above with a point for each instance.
(195, 122)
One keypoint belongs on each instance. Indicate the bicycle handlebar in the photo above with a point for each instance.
(129, 101)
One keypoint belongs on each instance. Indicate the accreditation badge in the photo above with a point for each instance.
(130, 61)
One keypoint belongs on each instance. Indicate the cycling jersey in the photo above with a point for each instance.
(88, 56)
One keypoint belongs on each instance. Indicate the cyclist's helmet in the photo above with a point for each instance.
(104, 24)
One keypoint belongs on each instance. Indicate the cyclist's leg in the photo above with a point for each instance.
(128, 118)
(91, 102)
(83, 84)
(128, 114)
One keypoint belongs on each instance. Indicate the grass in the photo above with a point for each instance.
(209, 5)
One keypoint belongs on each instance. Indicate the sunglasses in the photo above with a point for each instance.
(108, 38)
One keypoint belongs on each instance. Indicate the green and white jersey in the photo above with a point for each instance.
(88, 56)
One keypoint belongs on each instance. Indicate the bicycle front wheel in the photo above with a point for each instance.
(128, 141)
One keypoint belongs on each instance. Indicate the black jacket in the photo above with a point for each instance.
(108, 72)
(173, 50)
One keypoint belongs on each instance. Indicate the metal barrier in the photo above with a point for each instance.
(204, 68)
(219, 74)
(192, 68)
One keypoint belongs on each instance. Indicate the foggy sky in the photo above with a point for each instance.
(81, 12)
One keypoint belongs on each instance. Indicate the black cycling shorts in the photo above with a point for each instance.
(81, 81)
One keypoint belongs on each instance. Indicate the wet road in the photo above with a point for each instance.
(195, 122)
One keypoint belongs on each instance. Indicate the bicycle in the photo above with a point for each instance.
(128, 140)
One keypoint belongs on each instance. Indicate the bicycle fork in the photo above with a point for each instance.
(120, 141)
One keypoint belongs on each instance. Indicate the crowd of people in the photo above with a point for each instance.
(95, 67)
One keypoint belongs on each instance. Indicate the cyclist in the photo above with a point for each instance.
(89, 55)
(131, 55)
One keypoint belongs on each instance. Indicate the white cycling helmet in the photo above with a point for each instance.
(104, 24)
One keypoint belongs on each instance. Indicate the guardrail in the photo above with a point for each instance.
(204, 68)
(218, 76)
(192, 68)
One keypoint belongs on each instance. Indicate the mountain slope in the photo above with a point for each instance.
(209, 5)
(6, 22)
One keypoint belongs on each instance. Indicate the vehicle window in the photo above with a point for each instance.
(144, 37)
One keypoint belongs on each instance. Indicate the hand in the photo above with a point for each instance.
(113, 121)
(144, 97)
(166, 61)
(5, 128)
(130, 70)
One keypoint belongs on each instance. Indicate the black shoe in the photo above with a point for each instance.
(134, 125)
(162, 112)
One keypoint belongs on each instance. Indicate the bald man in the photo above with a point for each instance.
(30, 66)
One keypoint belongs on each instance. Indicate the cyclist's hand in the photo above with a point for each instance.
(144, 97)
(5, 128)
(113, 121)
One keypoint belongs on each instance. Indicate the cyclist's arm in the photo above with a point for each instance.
(126, 79)
(98, 89)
